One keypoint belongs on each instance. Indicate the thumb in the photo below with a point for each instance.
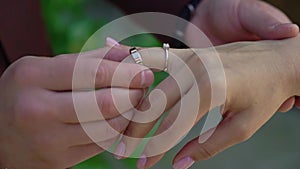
(232, 130)
(265, 21)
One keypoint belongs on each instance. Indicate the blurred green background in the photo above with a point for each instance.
(71, 22)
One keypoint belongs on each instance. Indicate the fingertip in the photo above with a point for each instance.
(147, 78)
(120, 151)
(141, 163)
(143, 78)
(111, 42)
(287, 105)
(183, 163)
(282, 31)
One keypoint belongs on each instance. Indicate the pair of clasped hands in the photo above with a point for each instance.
(40, 127)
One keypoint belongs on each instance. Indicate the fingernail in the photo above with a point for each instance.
(147, 78)
(184, 163)
(111, 42)
(274, 26)
(120, 151)
(289, 25)
(142, 162)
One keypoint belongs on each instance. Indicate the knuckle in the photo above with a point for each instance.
(119, 123)
(243, 132)
(107, 106)
(219, 81)
(22, 71)
(43, 143)
(132, 72)
(102, 75)
(205, 153)
(28, 111)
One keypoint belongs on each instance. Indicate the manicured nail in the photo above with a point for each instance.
(111, 42)
(184, 163)
(120, 151)
(147, 78)
(142, 162)
(274, 26)
(286, 25)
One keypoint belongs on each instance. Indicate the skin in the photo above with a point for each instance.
(225, 22)
(245, 108)
(241, 21)
(40, 100)
(39, 127)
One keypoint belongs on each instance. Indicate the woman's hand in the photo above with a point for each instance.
(257, 84)
(260, 76)
(39, 127)
(239, 20)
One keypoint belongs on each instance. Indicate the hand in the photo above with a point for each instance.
(39, 127)
(256, 87)
(250, 80)
(239, 20)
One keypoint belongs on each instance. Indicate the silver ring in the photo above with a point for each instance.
(136, 56)
(166, 47)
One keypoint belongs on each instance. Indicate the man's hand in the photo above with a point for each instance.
(239, 20)
(39, 124)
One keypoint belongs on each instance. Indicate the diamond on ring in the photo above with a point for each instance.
(136, 56)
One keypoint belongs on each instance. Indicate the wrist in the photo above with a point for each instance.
(260, 62)
(290, 57)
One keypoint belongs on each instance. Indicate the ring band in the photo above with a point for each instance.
(136, 56)
(166, 47)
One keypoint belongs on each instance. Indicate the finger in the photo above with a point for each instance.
(97, 131)
(176, 125)
(153, 109)
(112, 53)
(155, 58)
(148, 162)
(94, 105)
(232, 130)
(136, 131)
(265, 21)
(161, 141)
(184, 80)
(77, 154)
(62, 74)
(287, 105)
(110, 42)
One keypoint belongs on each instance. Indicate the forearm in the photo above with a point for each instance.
(273, 60)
